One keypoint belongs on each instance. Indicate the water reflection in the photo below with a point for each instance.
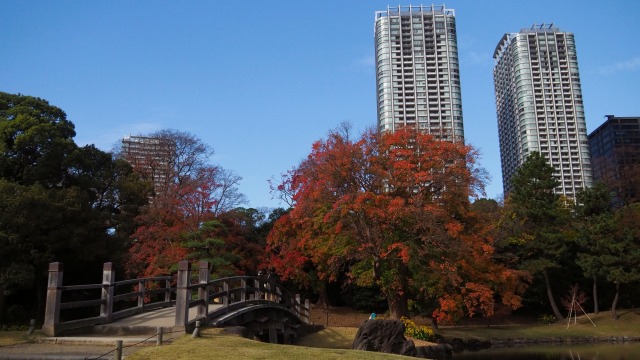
(557, 352)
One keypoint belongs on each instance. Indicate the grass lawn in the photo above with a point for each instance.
(330, 338)
(15, 337)
(335, 342)
(628, 324)
(215, 345)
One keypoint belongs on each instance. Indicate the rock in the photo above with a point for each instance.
(475, 344)
(436, 352)
(385, 336)
(457, 344)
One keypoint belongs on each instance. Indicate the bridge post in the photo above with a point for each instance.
(167, 292)
(54, 298)
(297, 306)
(257, 293)
(225, 294)
(183, 293)
(141, 294)
(203, 291)
(243, 293)
(307, 307)
(108, 280)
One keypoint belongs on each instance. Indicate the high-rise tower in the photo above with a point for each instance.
(418, 82)
(615, 157)
(539, 105)
(151, 157)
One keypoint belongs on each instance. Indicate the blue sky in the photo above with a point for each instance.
(259, 81)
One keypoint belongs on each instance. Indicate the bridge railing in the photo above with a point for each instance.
(210, 298)
(113, 304)
(221, 296)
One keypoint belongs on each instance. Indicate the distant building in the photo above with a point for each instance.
(539, 106)
(615, 156)
(150, 157)
(417, 76)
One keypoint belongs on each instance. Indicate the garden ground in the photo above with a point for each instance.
(335, 339)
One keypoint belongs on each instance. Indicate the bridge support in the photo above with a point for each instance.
(183, 294)
(108, 279)
(54, 299)
(203, 291)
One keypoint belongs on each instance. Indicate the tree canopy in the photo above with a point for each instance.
(192, 193)
(391, 209)
(538, 222)
(59, 202)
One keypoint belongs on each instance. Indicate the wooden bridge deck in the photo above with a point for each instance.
(147, 322)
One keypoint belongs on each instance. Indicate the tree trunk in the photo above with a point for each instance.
(3, 304)
(595, 295)
(397, 305)
(397, 296)
(41, 296)
(323, 297)
(614, 315)
(552, 301)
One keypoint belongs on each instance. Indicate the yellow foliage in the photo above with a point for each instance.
(420, 332)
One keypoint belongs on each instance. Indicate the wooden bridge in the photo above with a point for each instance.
(263, 307)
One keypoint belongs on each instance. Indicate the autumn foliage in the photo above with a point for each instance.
(392, 209)
(188, 192)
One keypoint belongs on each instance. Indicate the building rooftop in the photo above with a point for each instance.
(410, 9)
(540, 28)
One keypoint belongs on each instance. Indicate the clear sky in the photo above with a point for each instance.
(259, 81)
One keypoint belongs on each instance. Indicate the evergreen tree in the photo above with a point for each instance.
(538, 220)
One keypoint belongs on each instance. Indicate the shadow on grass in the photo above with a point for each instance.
(330, 338)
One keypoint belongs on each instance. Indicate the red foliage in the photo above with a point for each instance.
(386, 204)
(156, 246)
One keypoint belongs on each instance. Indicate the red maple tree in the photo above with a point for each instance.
(390, 209)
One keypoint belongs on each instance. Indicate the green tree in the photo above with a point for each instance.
(621, 258)
(208, 243)
(35, 139)
(232, 243)
(535, 219)
(610, 245)
(58, 201)
(595, 220)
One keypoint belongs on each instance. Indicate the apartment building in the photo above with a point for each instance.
(417, 75)
(151, 158)
(539, 105)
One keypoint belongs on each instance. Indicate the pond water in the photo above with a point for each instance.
(624, 351)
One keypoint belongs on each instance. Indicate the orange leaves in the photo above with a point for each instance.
(478, 297)
(394, 206)
(400, 250)
(449, 309)
(453, 228)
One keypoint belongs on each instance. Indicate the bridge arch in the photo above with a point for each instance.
(264, 307)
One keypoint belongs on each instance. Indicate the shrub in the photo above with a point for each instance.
(546, 319)
(420, 332)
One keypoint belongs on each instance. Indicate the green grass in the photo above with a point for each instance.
(15, 337)
(626, 325)
(215, 345)
(335, 342)
(330, 338)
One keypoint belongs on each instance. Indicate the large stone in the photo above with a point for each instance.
(385, 336)
(436, 352)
